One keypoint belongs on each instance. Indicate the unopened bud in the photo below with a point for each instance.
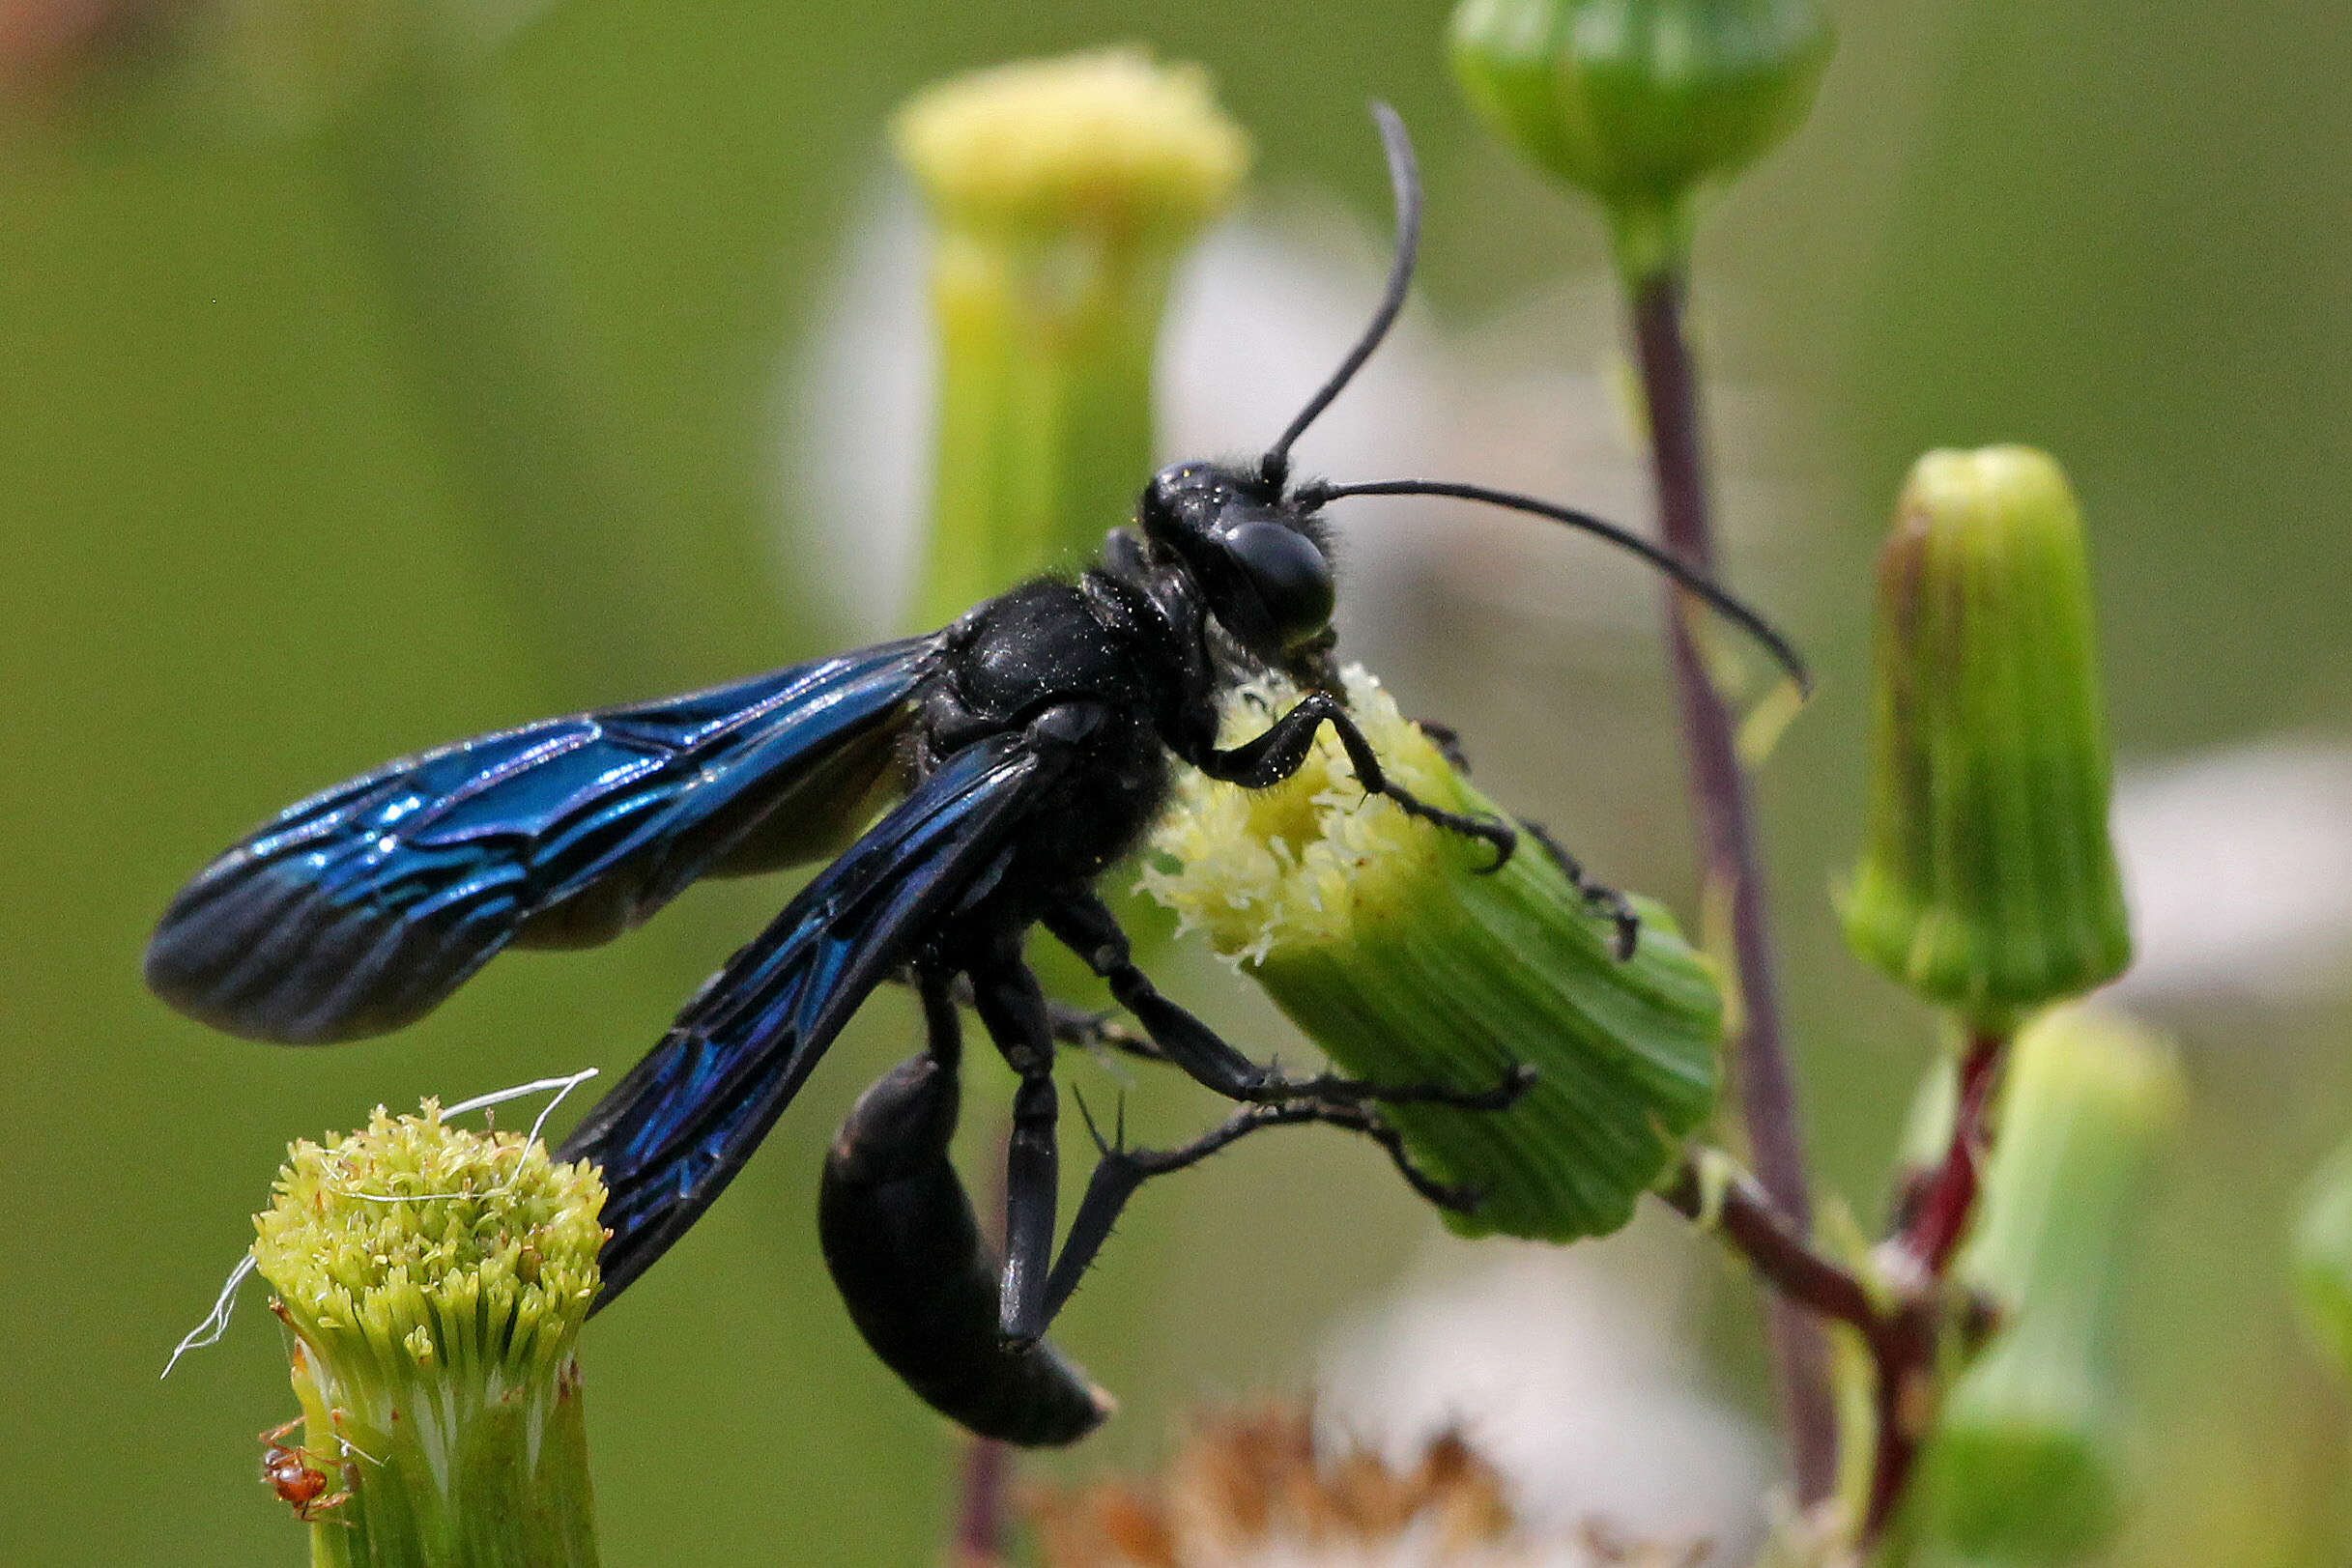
(1642, 102)
(1987, 881)
(1062, 192)
(1393, 946)
(2026, 1464)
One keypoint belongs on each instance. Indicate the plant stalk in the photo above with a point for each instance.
(1748, 1220)
(979, 1509)
(1932, 1223)
(983, 1480)
(1720, 796)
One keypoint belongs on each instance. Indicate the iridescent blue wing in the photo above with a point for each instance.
(672, 1133)
(362, 908)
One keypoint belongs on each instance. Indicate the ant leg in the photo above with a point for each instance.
(1121, 1170)
(1013, 1008)
(1607, 900)
(1085, 924)
(1278, 753)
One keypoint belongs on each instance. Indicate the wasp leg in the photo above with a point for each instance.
(1121, 1170)
(1449, 742)
(1012, 1006)
(1085, 924)
(1607, 900)
(905, 1252)
(1071, 1024)
(1091, 1030)
(1278, 753)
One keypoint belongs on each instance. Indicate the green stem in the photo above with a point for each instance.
(503, 1502)
(1046, 406)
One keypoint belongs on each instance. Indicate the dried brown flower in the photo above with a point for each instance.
(1249, 1487)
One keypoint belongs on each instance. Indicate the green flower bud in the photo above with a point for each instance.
(436, 1280)
(2025, 1463)
(1064, 192)
(1387, 941)
(1642, 102)
(1987, 882)
(2323, 1259)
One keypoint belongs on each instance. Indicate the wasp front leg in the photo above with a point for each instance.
(1279, 752)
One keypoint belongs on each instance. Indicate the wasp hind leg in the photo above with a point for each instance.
(1085, 924)
(1121, 1170)
(907, 1254)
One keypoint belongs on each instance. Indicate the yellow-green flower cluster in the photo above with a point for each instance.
(1062, 192)
(1391, 944)
(1107, 140)
(438, 1279)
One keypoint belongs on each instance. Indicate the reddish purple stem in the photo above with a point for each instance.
(1934, 1221)
(980, 1513)
(1727, 837)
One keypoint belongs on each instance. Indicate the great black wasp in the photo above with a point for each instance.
(1028, 745)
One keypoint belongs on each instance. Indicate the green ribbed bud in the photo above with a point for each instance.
(1063, 191)
(1385, 941)
(436, 1280)
(1642, 104)
(2025, 1465)
(2323, 1259)
(1987, 882)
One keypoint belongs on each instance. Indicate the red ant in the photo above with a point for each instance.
(297, 1481)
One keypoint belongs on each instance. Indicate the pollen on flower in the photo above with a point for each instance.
(398, 1255)
(1307, 860)
(1105, 139)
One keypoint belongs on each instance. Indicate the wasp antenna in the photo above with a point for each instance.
(1405, 182)
(1689, 577)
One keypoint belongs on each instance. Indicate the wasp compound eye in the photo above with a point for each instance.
(1288, 573)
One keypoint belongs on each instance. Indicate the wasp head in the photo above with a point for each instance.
(1260, 561)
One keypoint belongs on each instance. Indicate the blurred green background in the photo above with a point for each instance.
(270, 516)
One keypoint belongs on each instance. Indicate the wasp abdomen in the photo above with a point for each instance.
(908, 1256)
